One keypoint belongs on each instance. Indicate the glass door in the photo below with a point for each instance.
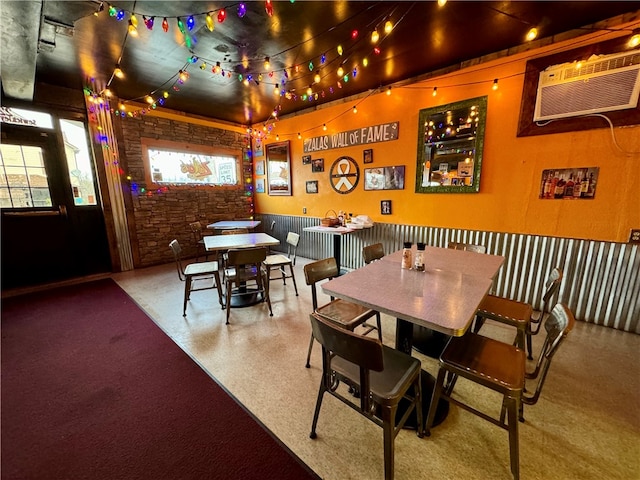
(52, 223)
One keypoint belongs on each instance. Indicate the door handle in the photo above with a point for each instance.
(61, 211)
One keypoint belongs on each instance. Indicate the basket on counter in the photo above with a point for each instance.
(330, 221)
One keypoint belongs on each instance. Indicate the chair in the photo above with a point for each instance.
(196, 232)
(280, 261)
(245, 276)
(383, 375)
(501, 368)
(372, 252)
(194, 272)
(519, 314)
(345, 314)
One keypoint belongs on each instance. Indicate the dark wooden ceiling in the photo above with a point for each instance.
(76, 48)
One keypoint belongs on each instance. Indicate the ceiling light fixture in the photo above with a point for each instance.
(532, 34)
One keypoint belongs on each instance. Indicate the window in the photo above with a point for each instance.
(172, 166)
(76, 151)
(23, 178)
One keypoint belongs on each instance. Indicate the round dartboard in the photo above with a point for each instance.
(344, 175)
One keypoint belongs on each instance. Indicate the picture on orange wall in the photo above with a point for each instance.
(569, 183)
(259, 185)
(317, 165)
(306, 159)
(384, 178)
(312, 186)
(385, 207)
(367, 156)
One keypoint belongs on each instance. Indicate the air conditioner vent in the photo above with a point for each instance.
(601, 84)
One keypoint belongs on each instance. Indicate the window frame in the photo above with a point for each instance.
(151, 143)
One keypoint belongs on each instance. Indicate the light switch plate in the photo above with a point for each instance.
(634, 235)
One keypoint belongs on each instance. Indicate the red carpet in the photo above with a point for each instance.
(93, 389)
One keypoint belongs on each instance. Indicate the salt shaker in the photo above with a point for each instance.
(406, 256)
(419, 262)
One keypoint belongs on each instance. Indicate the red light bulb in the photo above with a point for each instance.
(222, 14)
(165, 24)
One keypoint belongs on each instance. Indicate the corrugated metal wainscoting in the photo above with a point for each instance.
(601, 281)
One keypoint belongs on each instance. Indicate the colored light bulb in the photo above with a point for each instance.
(242, 10)
(148, 21)
(209, 22)
(165, 24)
(222, 14)
(268, 7)
(191, 22)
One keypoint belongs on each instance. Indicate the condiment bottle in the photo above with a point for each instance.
(419, 262)
(406, 256)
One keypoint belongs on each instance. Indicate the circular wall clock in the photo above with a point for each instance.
(344, 175)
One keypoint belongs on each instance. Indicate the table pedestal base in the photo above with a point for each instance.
(428, 384)
(246, 299)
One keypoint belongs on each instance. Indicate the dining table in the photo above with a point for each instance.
(444, 297)
(231, 224)
(337, 233)
(221, 243)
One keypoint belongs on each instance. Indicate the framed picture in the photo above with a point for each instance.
(317, 165)
(260, 167)
(384, 178)
(278, 169)
(385, 207)
(312, 186)
(259, 185)
(306, 159)
(569, 183)
(367, 156)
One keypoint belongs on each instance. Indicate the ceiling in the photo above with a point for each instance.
(78, 44)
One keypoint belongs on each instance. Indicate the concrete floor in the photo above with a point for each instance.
(586, 424)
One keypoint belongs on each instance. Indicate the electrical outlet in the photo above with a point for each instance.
(634, 235)
(304, 210)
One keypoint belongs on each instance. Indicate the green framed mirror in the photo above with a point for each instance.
(450, 144)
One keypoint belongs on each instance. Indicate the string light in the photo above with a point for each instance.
(634, 41)
(209, 22)
(299, 136)
(532, 34)
(222, 14)
(148, 22)
(442, 3)
(375, 36)
(435, 91)
(317, 78)
(355, 109)
(268, 7)
(118, 71)
(267, 63)
(190, 22)
(388, 26)
(340, 72)
(324, 127)
(165, 25)
(242, 10)
(388, 91)
(495, 84)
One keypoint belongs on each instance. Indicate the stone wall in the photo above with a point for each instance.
(162, 216)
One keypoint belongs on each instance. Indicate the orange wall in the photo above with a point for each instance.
(511, 167)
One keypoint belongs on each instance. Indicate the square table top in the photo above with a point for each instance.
(444, 300)
(330, 230)
(228, 224)
(241, 240)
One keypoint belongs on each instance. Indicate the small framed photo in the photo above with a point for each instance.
(317, 165)
(385, 207)
(312, 186)
(306, 159)
(259, 185)
(367, 156)
(260, 167)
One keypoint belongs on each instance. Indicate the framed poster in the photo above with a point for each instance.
(569, 183)
(260, 167)
(306, 159)
(317, 165)
(259, 185)
(384, 178)
(312, 186)
(385, 207)
(367, 156)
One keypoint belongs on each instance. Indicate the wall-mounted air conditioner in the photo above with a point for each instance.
(602, 84)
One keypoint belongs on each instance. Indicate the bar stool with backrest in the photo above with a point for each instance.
(384, 376)
(245, 275)
(373, 252)
(519, 314)
(344, 314)
(195, 272)
(500, 367)
(280, 261)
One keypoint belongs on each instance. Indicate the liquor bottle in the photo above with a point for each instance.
(591, 189)
(559, 191)
(584, 185)
(577, 188)
(568, 188)
(546, 184)
(552, 187)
